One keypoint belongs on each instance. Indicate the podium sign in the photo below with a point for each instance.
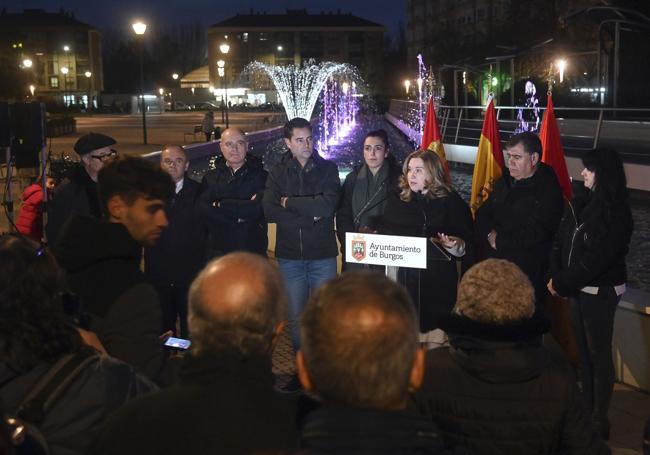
(388, 250)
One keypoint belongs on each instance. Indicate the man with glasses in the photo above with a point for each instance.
(231, 199)
(77, 194)
(173, 262)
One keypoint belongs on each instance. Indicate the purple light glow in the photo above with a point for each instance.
(340, 104)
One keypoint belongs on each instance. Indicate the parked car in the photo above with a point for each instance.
(206, 106)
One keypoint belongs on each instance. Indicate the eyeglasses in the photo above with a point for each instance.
(106, 157)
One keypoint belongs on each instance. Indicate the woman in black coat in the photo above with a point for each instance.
(588, 265)
(427, 207)
(366, 190)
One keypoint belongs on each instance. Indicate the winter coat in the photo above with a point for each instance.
(179, 254)
(582, 255)
(223, 404)
(83, 407)
(30, 218)
(102, 264)
(231, 207)
(525, 214)
(76, 195)
(305, 228)
(497, 390)
(433, 289)
(341, 430)
(345, 216)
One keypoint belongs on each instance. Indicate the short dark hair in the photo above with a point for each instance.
(130, 178)
(297, 122)
(352, 366)
(33, 327)
(250, 329)
(529, 141)
(381, 134)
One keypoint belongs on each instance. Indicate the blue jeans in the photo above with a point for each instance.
(302, 278)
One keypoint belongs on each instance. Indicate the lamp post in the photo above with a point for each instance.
(139, 28)
(64, 70)
(88, 75)
(224, 48)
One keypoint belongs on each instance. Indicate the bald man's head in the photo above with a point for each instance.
(236, 303)
(359, 341)
(234, 147)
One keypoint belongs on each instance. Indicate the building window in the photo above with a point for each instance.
(54, 82)
(244, 37)
(264, 36)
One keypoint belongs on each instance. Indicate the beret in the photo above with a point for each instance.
(92, 141)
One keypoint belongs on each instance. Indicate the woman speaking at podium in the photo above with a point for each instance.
(425, 206)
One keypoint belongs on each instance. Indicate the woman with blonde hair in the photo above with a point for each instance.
(427, 206)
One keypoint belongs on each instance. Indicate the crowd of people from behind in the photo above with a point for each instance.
(454, 358)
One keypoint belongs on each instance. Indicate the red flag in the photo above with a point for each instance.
(489, 163)
(552, 150)
(432, 139)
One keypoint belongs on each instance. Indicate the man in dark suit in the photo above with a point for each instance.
(175, 260)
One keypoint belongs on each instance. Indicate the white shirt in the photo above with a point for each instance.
(179, 185)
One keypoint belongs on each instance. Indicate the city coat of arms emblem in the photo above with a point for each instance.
(358, 248)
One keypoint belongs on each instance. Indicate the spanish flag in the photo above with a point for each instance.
(432, 139)
(489, 160)
(552, 150)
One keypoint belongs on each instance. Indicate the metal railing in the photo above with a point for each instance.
(581, 128)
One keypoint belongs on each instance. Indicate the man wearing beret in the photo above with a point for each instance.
(77, 194)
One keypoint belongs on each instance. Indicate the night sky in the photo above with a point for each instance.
(120, 13)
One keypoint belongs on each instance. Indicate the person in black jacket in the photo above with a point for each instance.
(102, 261)
(178, 256)
(522, 214)
(588, 265)
(496, 389)
(427, 207)
(34, 336)
(366, 190)
(77, 193)
(360, 356)
(225, 402)
(301, 195)
(231, 199)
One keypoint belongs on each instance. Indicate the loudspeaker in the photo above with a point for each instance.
(28, 127)
(28, 123)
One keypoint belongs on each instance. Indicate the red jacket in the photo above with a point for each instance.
(30, 221)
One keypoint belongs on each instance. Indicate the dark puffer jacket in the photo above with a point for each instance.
(498, 390)
(525, 214)
(102, 264)
(83, 407)
(305, 228)
(237, 223)
(590, 252)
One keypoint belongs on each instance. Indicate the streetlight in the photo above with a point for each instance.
(224, 48)
(139, 28)
(407, 85)
(32, 88)
(64, 70)
(561, 65)
(66, 48)
(27, 63)
(88, 74)
(175, 76)
(280, 48)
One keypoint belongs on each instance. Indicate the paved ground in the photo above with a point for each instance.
(167, 128)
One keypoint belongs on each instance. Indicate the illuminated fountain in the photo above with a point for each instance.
(299, 87)
(526, 123)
